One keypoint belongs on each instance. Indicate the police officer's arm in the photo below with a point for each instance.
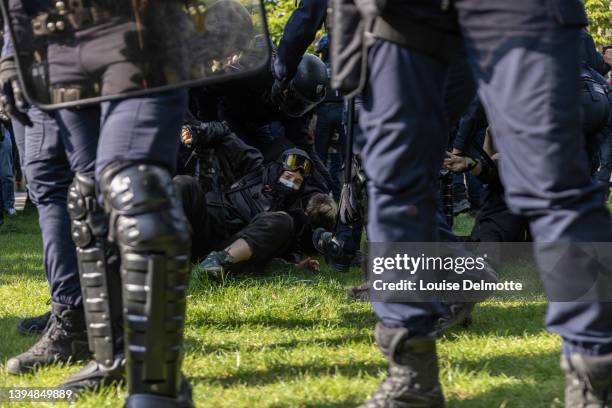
(11, 95)
(473, 120)
(299, 33)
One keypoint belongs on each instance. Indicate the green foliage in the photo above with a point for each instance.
(278, 12)
(600, 17)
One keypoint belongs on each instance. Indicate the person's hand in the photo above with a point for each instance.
(309, 264)
(11, 94)
(454, 163)
(186, 136)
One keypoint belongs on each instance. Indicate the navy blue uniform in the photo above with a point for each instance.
(49, 174)
(299, 33)
(122, 205)
(536, 123)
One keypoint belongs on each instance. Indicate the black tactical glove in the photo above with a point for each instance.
(281, 82)
(11, 94)
(207, 134)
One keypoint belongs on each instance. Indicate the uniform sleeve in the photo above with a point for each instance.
(473, 120)
(591, 56)
(299, 33)
(22, 25)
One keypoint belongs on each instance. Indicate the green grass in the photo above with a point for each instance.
(292, 339)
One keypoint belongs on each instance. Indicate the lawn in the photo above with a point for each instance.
(292, 339)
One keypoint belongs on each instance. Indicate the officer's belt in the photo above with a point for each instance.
(418, 37)
(56, 23)
(68, 93)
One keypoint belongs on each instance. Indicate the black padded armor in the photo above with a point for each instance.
(98, 271)
(148, 224)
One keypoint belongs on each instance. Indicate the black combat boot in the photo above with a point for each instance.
(588, 381)
(33, 325)
(412, 381)
(64, 340)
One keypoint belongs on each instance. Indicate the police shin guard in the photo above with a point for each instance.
(588, 380)
(412, 380)
(101, 288)
(152, 233)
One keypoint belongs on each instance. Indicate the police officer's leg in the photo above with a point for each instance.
(97, 259)
(536, 124)
(136, 157)
(49, 177)
(36, 324)
(403, 121)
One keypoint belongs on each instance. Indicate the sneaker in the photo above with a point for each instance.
(216, 265)
(64, 340)
(11, 211)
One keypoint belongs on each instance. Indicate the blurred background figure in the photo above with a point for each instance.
(7, 187)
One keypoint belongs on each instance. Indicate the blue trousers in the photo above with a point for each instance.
(536, 124)
(142, 129)
(7, 193)
(49, 175)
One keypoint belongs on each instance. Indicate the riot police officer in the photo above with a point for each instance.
(125, 208)
(521, 52)
(49, 175)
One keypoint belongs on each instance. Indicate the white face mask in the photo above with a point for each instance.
(289, 183)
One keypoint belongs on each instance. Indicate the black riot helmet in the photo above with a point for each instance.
(307, 88)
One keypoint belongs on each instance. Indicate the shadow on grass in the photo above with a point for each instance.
(514, 396)
(540, 380)
(504, 320)
(12, 342)
(350, 319)
(197, 348)
(286, 371)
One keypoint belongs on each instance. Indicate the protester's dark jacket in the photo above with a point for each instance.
(254, 188)
(494, 221)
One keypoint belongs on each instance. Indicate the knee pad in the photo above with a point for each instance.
(145, 214)
(98, 270)
(148, 224)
